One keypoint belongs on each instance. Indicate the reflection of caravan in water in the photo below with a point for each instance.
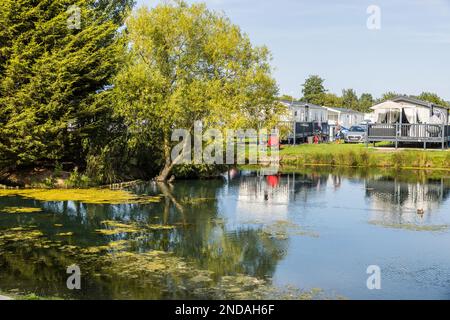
(266, 198)
(398, 202)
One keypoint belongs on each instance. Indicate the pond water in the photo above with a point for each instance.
(304, 235)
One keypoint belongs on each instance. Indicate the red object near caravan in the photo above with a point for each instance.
(316, 139)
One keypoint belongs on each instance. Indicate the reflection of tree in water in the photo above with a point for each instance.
(199, 236)
(207, 239)
(397, 202)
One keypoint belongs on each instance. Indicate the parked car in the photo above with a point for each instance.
(341, 133)
(355, 134)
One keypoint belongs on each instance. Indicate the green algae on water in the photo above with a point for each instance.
(281, 230)
(157, 269)
(116, 227)
(90, 196)
(412, 227)
(20, 210)
(113, 245)
(19, 234)
(65, 234)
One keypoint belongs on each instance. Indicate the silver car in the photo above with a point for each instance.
(355, 134)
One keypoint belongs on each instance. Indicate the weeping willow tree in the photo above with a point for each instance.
(57, 58)
(188, 63)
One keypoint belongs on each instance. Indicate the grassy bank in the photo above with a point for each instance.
(357, 155)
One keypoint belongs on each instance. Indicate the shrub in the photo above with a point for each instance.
(78, 180)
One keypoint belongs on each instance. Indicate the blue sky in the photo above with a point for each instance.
(409, 54)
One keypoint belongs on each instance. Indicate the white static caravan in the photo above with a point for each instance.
(408, 110)
(344, 117)
(406, 120)
(306, 119)
(305, 112)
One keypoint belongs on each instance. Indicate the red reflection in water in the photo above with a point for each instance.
(273, 181)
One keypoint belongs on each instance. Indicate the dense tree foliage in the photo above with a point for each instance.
(53, 77)
(433, 98)
(365, 102)
(313, 90)
(187, 63)
(350, 99)
(104, 96)
(332, 100)
(287, 97)
(387, 96)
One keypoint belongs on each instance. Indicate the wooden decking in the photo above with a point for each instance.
(397, 133)
(302, 130)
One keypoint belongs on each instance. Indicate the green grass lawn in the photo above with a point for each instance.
(357, 155)
(321, 148)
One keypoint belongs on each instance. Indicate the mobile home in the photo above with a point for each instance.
(409, 120)
(306, 120)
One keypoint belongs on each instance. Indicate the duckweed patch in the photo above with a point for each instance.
(65, 234)
(412, 227)
(113, 245)
(164, 267)
(155, 269)
(115, 227)
(20, 210)
(19, 234)
(281, 230)
(90, 196)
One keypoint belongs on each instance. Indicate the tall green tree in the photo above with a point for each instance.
(332, 100)
(350, 99)
(287, 97)
(188, 63)
(54, 73)
(433, 98)
(313, 90)
(387, 96)
(365, 102)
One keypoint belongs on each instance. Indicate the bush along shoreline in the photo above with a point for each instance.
(291, 157)
(56, 178)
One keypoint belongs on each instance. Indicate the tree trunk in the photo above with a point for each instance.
(164, 174)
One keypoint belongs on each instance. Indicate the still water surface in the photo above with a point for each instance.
(294, 231)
